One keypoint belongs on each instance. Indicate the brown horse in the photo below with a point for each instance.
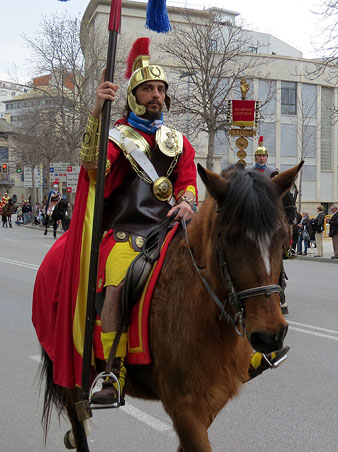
(217, 297)
(7, 212)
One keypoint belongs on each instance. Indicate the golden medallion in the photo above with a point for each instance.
(242, 143)
(139, 241)
(163, 189)
(241, 154)
(121, 235)
(241, 162)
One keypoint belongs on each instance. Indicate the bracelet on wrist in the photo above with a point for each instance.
(190, 201)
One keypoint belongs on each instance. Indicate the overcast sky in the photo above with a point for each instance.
(289, 20)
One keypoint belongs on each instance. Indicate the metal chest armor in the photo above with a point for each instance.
(140, 204)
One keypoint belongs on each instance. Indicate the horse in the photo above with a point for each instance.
(58, 213)
(7, 212)
(217, 298)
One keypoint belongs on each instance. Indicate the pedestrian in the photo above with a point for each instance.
(333, 233)
(295, 230)
(318, 225)
(304, 233)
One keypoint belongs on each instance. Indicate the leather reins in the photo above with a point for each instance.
(234, 298)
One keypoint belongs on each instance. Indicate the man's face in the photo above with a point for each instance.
(261, 159)
(151, 94)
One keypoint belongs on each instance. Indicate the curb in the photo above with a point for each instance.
(318, 259)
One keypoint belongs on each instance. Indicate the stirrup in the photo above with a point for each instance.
(279, 358)
(269, 363)
(119, 401)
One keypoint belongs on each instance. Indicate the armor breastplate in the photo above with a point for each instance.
(133, 206)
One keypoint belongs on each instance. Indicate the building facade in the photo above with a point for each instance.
(296, 119)
(8, 90)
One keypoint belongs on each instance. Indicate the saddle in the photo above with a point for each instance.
(139, 270)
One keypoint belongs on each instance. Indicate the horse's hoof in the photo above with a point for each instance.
(67, 441)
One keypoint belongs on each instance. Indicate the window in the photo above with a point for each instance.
(289, 98)
(252, 49)
(213, 45)
(326, 130)
(3, 153)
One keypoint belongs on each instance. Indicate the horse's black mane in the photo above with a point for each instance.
(250, 203)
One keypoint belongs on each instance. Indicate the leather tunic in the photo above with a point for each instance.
(133, 207)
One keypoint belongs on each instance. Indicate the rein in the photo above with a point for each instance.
(234, 298)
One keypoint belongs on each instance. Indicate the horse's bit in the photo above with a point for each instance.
(234, 298)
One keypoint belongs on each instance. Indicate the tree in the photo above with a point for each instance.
(326, 66)
(54, 124)
(306, 132)
(213, 56)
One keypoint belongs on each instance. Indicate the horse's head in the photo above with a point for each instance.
(248, 222)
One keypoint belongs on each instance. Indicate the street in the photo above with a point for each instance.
(293, 408)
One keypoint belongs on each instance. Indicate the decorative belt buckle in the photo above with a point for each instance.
(163, 189)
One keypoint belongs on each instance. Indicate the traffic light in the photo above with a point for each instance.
(18, 167)
(4, 167)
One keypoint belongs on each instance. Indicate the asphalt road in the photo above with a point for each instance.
(293, 408)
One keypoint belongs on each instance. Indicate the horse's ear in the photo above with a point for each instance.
(285, 180)
(215, 184)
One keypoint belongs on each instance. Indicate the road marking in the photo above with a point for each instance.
(313, 327)
(333, 334)
(314, 333)
(18, 263)
(148, 420)
(36, 358)
(12, 240)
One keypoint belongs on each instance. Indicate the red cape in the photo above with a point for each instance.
(59, 298)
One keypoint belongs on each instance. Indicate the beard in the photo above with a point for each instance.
(152, 115)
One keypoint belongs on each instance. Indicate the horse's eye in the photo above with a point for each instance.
(229, 241)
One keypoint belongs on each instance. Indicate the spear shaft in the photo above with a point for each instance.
(114, 23)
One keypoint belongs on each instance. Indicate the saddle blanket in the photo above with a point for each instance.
(138, 333)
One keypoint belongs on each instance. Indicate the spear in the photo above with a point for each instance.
(113, 28)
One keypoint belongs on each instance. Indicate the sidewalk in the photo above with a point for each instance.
(327, 253)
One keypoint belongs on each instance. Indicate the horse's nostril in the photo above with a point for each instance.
(265, 342)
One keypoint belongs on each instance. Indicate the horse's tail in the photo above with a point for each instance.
(53, 394)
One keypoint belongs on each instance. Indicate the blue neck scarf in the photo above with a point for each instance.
(260, 167)
(145, 125)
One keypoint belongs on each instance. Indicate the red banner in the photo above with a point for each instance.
(243, 113)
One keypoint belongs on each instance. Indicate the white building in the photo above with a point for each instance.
(8, 90)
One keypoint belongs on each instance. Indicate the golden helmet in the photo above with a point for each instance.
(139, 71)
(261, 150)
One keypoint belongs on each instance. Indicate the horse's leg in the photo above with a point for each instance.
(191, 425)
(55, 226)
(46, 225)
(77, 436)
(10, 221)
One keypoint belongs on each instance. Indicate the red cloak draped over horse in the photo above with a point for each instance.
(60, 292)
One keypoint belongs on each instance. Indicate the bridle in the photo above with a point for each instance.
(234, 298)
(292, 207)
